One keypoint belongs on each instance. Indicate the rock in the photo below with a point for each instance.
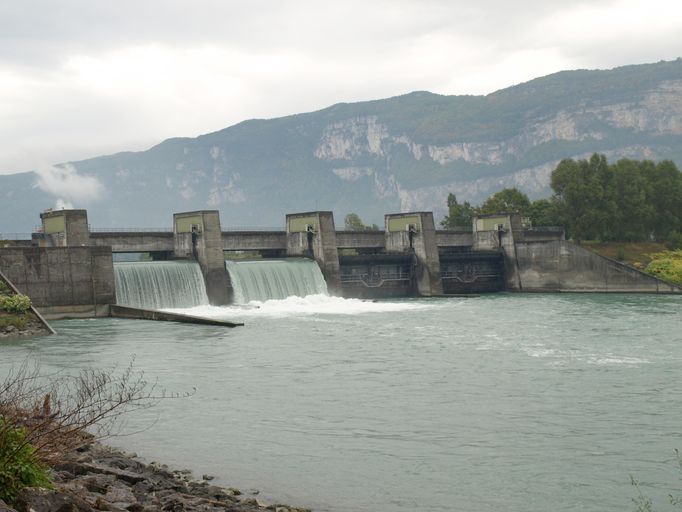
(174, 505)
(35, 499)
(120, 494)
(97, 477)
(126, 476)
(98, 483)
(141, 489)
(208, 477)
(264, 504)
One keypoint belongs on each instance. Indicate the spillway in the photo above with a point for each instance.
(160, 284)
(275, 279)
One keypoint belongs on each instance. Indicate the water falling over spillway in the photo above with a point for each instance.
(274, 279)
(160, 284)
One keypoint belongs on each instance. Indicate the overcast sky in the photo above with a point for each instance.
(81, 78)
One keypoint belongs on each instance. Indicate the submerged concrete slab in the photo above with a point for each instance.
(117, 311)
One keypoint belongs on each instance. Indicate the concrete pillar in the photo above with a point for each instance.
(416, 232)
(496, 232)
(197, 235)
(64, 228)
(313, 235)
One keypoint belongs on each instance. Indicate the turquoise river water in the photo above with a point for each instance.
(503, 402)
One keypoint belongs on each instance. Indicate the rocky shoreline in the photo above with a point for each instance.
(33, 328)
(97, 477)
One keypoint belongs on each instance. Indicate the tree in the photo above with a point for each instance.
(665, 189)
(459, 215)
(507, 200)
(628, 193)
(545, 212)
(353, 222)
(579, 192)
(630, 200)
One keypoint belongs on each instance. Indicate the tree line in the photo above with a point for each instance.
(629, 201)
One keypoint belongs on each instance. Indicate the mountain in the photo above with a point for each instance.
(374, 157)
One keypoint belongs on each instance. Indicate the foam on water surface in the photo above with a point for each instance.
(304, 306)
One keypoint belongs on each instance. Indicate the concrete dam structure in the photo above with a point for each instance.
(68, 268)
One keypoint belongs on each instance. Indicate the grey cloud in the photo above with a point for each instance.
(272, 58)
(65, 183)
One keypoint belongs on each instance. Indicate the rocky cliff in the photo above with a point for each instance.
(402, 153)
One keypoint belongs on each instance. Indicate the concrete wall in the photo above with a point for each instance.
(254, 240)
(360, 239)
(69, 280)
(539, 235)
(564, 266)
(134, 241)
(453, 238)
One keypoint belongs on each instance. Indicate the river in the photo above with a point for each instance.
(503, 402)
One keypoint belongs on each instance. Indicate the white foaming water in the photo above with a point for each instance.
(302, 306)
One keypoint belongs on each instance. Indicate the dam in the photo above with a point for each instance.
(69, 268)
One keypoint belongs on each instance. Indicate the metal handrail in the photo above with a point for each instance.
(131, 230)
(279, 229)
(15, 236)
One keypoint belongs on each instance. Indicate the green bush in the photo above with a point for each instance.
(4, 289)
(15, 303)
(19, 466)
(667, 266)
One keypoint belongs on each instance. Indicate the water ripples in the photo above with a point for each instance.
(506, 402)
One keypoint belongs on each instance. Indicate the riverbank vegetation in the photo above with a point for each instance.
(15, 314)
(667, 266)
(45, 417)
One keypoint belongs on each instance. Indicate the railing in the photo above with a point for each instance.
(131, 230)
(15, 236)
(375, 279)
(544, 229)
(229, 229)
(470, 277)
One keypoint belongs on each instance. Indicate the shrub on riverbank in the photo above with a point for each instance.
(667, 266)
(15, 315)
(19, 465)
(16, 303)
(42, 418)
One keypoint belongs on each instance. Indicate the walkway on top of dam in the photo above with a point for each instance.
(162, 240)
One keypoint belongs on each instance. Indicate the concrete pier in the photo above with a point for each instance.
(64, 228)
(313, 235)
(197, 235)
(416, 233)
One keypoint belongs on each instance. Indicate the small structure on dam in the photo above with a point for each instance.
(68, 268)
